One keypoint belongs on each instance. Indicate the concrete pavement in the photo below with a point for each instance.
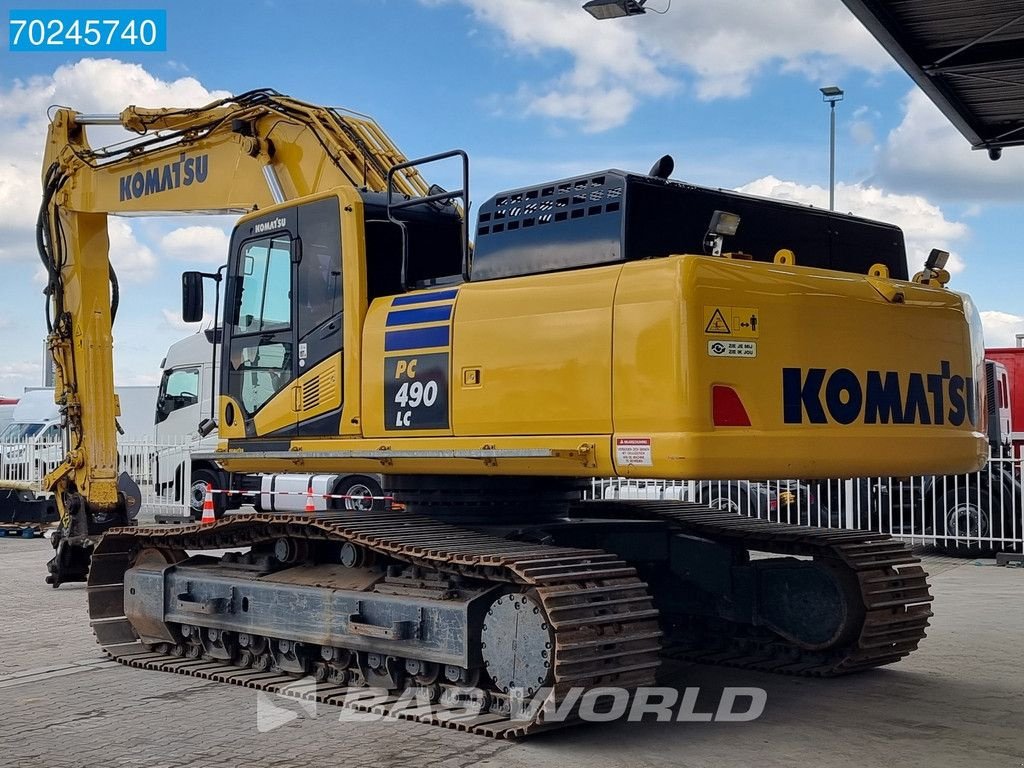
(958, 701)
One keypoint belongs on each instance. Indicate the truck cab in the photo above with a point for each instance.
(186, 391)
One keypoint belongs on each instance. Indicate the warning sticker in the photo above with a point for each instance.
(717, 324)
(741, 322)
(729, 348)
(633, 451)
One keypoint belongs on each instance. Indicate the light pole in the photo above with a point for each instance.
(831, 94)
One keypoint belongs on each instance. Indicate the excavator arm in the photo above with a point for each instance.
(231, 156)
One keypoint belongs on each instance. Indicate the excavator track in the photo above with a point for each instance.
(892, 605)
(605, 629)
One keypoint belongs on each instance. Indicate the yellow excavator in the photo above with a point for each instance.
(611, 324)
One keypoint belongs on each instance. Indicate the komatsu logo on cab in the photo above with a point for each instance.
(183, 172)
(816, 395)
(266, 226)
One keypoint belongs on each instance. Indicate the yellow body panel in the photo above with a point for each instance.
(316, 392)
(611, 371)
(542, 346)
(806, 319)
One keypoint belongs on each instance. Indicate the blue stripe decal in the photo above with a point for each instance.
(423, 298)
(441, 314)
(418, 338)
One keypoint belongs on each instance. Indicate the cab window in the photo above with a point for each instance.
(266, 269)
(319, 274)
(261, 340)
(179, 389)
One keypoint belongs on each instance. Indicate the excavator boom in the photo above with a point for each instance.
(234, 155)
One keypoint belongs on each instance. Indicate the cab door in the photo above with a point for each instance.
(284, 316)
(261, 365)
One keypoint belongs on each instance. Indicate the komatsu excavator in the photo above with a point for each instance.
(612, 324)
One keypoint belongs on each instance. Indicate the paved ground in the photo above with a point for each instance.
(958, 701)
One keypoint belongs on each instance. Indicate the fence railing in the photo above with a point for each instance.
(980, 511)
(161, 469)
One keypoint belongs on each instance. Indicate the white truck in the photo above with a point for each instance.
(187, 392)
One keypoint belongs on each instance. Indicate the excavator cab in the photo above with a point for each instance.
(291, 283)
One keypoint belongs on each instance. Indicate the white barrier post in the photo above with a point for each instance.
(848, 493)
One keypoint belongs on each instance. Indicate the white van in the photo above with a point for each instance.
(32, 443)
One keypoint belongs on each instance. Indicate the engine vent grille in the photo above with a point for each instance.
(319, 389)
(565, 201)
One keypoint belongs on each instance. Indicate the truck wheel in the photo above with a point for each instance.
(730, 497)
(966, 522)
(726, 503)
(363, 492)
(197, 493)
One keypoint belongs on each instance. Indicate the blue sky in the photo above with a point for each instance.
(534, 90)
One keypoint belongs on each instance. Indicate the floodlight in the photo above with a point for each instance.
(614, 9)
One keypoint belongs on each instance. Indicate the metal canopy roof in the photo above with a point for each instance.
(967, 55)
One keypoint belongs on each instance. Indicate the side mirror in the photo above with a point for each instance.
(192, 297)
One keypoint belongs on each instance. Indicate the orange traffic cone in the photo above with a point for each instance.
(208, 515)
(309, 501)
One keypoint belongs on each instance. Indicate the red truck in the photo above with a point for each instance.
(1007, 393)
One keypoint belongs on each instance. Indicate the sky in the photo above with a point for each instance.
(534, 91)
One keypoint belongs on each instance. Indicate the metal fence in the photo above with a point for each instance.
(982, 511)
(160, 469)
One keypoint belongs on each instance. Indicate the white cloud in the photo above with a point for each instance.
(101, 85)
(723, 46)
(926, 154)
(89, 85)
(18, 374)
(1001, 328)
(924, 225)
(133, 261)
(20, 196)
(862, 132)
(198, 244)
